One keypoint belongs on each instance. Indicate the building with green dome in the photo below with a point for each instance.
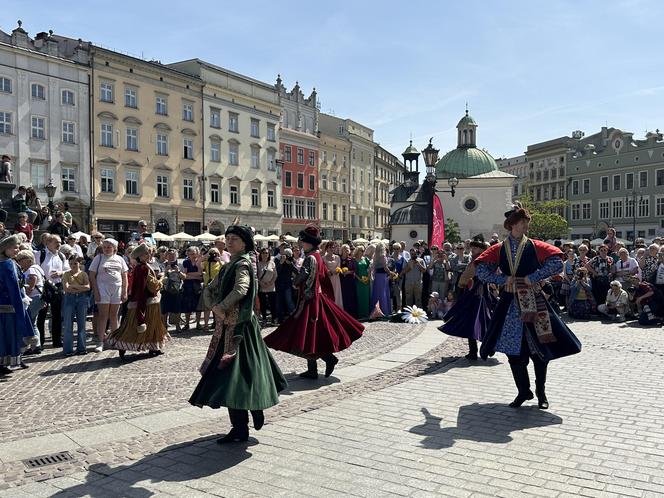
(483, 192)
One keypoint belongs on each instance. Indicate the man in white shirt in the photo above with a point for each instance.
(54, 265)
(96, 242)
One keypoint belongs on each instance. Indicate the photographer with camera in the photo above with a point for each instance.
(581, 303)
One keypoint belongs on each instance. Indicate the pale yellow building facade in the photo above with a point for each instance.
(334, 192)
(146, 140)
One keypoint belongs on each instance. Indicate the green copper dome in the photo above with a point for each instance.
(410, 149)
(466, 121)
(464, 162)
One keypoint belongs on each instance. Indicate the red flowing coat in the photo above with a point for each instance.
(318, 326)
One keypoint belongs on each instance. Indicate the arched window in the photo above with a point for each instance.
(465, 137)
(470, 136)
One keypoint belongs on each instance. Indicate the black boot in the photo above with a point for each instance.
(312, 369)
(240, 427)
(330, 362)
(522, 381)
(472, 350)
(258, 418)
(540, 382)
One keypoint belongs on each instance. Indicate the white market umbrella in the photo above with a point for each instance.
(162, 237)
(290, 238)
(625, 242)
(360, 241)
(597, 242)
(260, 238)
(78, 235)
(376, 241)
(182, 236)
(272, 238)
(206, 237)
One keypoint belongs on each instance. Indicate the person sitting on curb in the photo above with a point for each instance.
(617, 303)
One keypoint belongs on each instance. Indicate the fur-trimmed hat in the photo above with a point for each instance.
(7, 242)
(140, 250)
(311, 235)
(245, 233)
(515, 215)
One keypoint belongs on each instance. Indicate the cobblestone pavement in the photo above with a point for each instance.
(435, 426)
(81, 391)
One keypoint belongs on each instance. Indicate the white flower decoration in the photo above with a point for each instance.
(414, 315)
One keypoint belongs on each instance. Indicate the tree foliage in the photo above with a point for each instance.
(546, 222)
(452, 232)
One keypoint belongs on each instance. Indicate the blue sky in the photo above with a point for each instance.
(530, 71)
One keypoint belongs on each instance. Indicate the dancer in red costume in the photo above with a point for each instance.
(318, 328)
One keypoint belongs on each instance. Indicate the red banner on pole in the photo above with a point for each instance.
(438, 232)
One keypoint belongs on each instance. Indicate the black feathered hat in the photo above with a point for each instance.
(311, 235)
(514, 215)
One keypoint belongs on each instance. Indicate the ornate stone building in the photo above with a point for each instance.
(388, 174)
(299, 149)
(44, 118)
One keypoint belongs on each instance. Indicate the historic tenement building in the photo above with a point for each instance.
(44, 116)
(299, 149)
(334, 193)
(240, 138)
(388, 174)
(616, 180)
(517, 166)
(361, 180)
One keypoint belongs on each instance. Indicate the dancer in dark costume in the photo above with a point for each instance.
(471, 314)
(524, 325)
(318, 328)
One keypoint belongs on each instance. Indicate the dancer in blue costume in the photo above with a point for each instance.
(470, 316)
(15, 321)
(524, 325)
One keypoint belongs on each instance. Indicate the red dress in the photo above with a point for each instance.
(318, 326)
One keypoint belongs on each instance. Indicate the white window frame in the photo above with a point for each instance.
(188, 111)
(234, 194)
(6, 122)
(323, 181)
(288, 179)
(163, 190)
(233, 122)
(38, 127)
(576, 187)
(629, 175)
(233, 154)
(312, 158)
(215, 151)
(288, 154)
(35, 92)
(134, 177)
(324, 210)
(659, 206)
(617, 209)
(131, 138)
(643, 207)
(255, 196)
(586, 207)
(657, 184)
(255, 157)
(255, 128)
(300, 209)
(70, 98)
(162, 144)
(104, 132)
(287, 207)
(131, 97)
(68, 175)
(188, 188)
(215, 117)
(68, 132)
(646, 184)
(300, 181)
(271, 132)
(215, 193)
(161, 105)
(38, 174)
(585, 189)
(312, 213)
(6, 84)
(300, 156)
(188, 148)
(107, 180)
(312, 183)
(575, 211)
(601, 186)
(106, 91)
(271, 198)
(604, 209)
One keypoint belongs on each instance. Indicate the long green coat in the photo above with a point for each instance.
(252, 379)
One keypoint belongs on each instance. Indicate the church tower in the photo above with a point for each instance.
(467, 132)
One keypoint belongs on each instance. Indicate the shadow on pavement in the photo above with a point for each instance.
(98, 364)
(484, 423)
(447, 363)
(176, 463)
(298, 384)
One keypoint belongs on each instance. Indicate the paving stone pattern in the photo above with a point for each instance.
(433, 427)
(82, 391)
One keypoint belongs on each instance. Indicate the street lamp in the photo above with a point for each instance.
(50, 193)
(632, 197)
(430, 155)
